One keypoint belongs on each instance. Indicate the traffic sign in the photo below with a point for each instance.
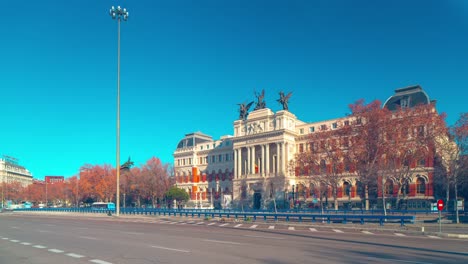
(440, 205)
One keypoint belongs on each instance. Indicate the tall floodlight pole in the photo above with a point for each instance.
(119, 14)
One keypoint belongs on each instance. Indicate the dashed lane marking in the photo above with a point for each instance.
(200, 223)
(212, 224)
(222, 242)
(224, 224)
(399, 234)
(436, 237)
(254, 226)
(367, 232)
(238, 225)
(337, 231)
(39, 246)
(5, 238)
(56, 250)
(26, 243)
(271, 227)
(98, 261)
(172, 249)
(313, 229)
(73, 255)
(14, 240)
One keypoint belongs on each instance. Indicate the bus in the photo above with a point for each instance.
(100, 206)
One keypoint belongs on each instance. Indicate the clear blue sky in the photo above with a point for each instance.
(186, 65)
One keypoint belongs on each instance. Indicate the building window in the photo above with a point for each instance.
(346, 123)
(335, 125)
(323, 127)
(301, 131)
(347, 189)
(207, 146)
(422, 162)
(358, 121)
(389, 187)
(301, 148)
(201, 147)
(227, 157)
(420, 185)
(312, 129)
(220, 158)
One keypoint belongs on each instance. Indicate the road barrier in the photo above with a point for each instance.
(246, 216)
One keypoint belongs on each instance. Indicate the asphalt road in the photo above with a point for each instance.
(104, 240)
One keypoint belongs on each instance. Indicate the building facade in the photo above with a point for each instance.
(11, 171)
(255, 168)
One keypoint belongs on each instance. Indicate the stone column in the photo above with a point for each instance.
(263, 160)
(267, 159)
(248, 163)
(283, 158)
(277, 169)
(252, 167)
(235, 163)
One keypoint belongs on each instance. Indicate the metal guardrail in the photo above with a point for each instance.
(287, 216)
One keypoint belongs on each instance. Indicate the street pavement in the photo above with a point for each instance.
(98, 238)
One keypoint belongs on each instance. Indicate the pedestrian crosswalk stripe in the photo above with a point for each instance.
(271, 227)
(399, 234)
(224, 225)
(367, 232)
(238, 225)
(337, 231)
(254, 226)
(291, 228)
(212, 224)
(313, 229)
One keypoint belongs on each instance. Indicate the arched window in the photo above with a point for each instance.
(405, 188)
(323, 166)
(312, 190)
(389, 187)
(346, 188)
(420, 185)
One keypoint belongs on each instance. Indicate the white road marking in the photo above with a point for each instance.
(173, 223)
(191, 222)
(56, 250)
(15, 227)
(183, 223)
(400, 260)
(73, 255)
(26, 243)
(5, 238)
(86, 237)
(291, 228)
(222, 242)
(434, 237)
(367, 232)
(254, 226)
(200, 223)
(212, 224)
(98, 261)
(39, 246)
(313, 229)
(267, 237)
(14, 240)
(173, 249)
(337, 231)
(43, 231)
(238, 225)
(224, 225)
(271, 227)
(399, 234)
(130, 233)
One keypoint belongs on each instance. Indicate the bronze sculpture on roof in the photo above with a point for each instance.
(260, 100)
(283, 100)
(244, 109)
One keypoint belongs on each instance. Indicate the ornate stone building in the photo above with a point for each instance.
(255, 167)
(11, 171)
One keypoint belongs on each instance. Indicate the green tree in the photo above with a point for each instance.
(177, 194)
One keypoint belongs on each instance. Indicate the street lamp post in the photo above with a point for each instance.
(119, 14)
